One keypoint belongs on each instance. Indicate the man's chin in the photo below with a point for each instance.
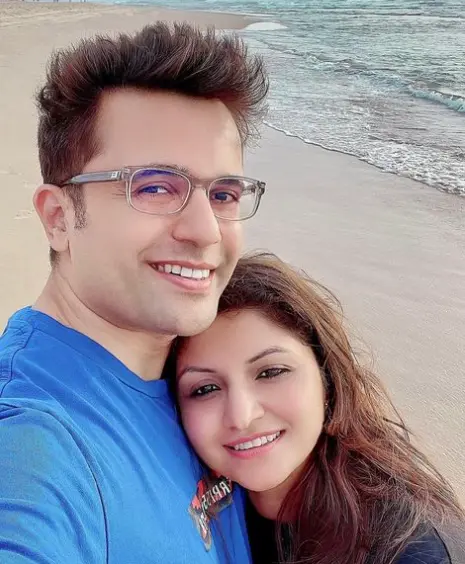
(193, 325)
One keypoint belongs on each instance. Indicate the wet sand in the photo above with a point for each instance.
(392, 249)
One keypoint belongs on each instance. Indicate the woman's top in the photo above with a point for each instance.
(428, 548)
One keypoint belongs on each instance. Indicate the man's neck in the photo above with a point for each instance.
(141, 352)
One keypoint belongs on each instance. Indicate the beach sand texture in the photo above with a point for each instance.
(391, 249)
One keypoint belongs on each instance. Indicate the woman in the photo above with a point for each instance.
(272, 397)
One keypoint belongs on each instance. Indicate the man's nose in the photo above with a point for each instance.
(197, 223)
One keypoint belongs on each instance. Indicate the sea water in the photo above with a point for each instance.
(383, 80)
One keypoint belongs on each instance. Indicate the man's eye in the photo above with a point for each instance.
(224, 196)
(152, 189)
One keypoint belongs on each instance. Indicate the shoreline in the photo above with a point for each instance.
(317, 145)
(19, 12)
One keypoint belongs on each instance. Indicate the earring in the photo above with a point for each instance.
(327, 413)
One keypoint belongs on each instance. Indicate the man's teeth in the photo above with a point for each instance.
(260, 441)
(184, 271)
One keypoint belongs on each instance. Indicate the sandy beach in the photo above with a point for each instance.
(393, 250)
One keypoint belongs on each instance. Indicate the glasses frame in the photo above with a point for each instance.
(127, 174)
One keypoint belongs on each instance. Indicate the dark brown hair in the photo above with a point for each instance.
(179, 58)
(365, 490)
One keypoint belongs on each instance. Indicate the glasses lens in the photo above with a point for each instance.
(158, 191)
(233, 198)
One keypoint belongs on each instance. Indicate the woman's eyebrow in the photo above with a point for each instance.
(266, 352)
(201, 369)
(260, 355)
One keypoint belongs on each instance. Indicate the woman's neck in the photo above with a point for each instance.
(268, 503)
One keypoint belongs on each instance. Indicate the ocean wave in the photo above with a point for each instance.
(383, 77)
(444, 177)
(449, 99)
(264, 26)
(361, 87)
(346, 65)
(364, 12)
(289, 133)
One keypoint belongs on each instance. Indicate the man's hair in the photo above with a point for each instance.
(161, 57)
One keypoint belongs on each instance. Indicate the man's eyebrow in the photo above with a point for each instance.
(175, 167)
(198, 369)
(185, 170)
(266, 352)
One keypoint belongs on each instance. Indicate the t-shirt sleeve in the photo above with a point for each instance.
(427, 549)
(50, 508)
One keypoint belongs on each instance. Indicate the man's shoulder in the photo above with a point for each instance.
(23, 349)
(35, 436)
(32, 411)
(14, 349)
(38, 358)
(22, 334)
(16, 334)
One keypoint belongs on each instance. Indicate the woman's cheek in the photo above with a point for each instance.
(195, 421)
(202, 424)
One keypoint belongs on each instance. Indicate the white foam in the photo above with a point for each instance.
(264, 26)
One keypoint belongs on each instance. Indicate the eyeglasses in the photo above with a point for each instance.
(165, 191)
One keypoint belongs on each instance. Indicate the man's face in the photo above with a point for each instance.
(114, 264)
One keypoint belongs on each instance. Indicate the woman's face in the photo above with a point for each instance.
(251, 398)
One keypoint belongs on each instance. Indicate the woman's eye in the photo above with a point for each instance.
(270, 373)
(204, 390)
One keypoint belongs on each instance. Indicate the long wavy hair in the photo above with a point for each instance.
(365, 490)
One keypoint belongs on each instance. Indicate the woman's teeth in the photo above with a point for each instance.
(260, 441)
(184, 271)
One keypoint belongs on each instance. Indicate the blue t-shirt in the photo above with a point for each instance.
(94, 467)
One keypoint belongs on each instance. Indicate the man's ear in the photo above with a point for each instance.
(52, 207)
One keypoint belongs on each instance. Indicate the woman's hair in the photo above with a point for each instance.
(365, 490)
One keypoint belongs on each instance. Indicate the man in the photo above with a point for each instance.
(140, 144)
